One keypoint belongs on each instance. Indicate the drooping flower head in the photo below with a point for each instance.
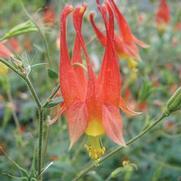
(124, 41)
(91, 102)
(162, 16)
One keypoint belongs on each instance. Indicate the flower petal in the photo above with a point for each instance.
(113, 124)
(99, 34)
(123, 106)
(70, 85)
(129, 40)
(123, 25)
(63, 42)
(77, 121)
(76, 57)
(140, 43)
(91, 76)
(109, 76)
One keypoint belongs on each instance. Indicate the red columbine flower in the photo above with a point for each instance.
(91, 103)
(125, 42)
(162, 15)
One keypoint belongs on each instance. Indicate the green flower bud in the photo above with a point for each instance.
(174, 103)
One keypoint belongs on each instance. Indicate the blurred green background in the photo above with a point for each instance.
(157, 155)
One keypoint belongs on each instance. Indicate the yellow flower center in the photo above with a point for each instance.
(95, 128)
(94, 147)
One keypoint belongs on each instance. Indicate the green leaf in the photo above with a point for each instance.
(20, 29)
(52, 74)
(54, 102)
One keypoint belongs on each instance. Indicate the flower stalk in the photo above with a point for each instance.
(40, 144)
(119, 148)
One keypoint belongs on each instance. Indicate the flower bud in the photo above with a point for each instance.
(174, 103)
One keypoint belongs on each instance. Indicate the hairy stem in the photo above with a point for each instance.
(33, 92)
(40, 144)
(54, 92)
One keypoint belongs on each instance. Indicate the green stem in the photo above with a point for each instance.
(54, 92)
(11, 67)
(40, 111)
(40, 144)
(116, 150)
(26, 79)
(33, 92)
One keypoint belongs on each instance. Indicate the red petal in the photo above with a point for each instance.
(132, 50)
(77, 19)
(113, 124)
(123, 106)
(70, 85)
(100, 35)
(77, 121)
(140, 43)
(76, 58)
(128, 38)
(4, 52)
(91, 75)
(63, 42)
(123, 25)
(109, 76)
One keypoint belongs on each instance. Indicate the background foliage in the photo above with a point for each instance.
(156, 156)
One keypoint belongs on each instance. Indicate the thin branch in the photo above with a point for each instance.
(26, 79)
(40, 31)
(40, 111)
(54, 92)
(116, 150)
(40, 143)
(33, 92)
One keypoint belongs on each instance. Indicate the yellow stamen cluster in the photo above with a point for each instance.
(94, 147)
(95, 153)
